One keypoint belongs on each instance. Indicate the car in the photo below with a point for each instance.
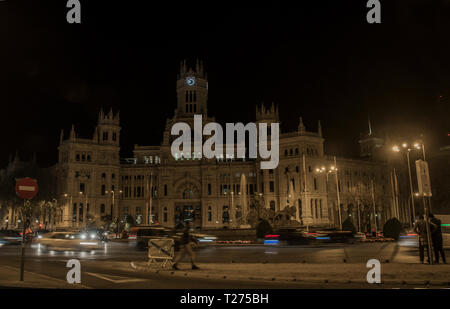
(39, 233)
(333, 235)
(287, 237)
(69, 241)
(142, 234)
(10, 237)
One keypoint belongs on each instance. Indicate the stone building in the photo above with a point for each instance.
(216, 193)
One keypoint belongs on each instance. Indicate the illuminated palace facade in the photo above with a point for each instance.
(94, 182)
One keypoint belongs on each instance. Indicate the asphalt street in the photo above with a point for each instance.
(95, 275)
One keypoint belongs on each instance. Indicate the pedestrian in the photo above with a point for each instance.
(186, 243)
(420, 227)
(436, 238)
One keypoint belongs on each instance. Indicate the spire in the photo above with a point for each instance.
(319, 129)
(96, 135)
(16, 158)
(101, 115)
(61, 137)
(110, 114)
(10, 157)
(72, 132)
(370, 125)
(301, 126)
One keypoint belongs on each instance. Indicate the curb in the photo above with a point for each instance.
(182, 273)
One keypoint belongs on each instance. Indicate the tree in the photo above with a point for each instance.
(263, 228)
(392, 229)
(348, 225)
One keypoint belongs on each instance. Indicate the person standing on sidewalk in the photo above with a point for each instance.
(436, 238)
(421, 229)
(186, 243)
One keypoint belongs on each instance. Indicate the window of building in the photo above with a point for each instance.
(316, 207)
(165, 214)
(102, 208)
(103, 175)
(165, 189)
(82, 187)
(103, 190)
(105, 136)
(77, 157)
(80, 213)
(321, 211)
(209, 189)
(74, 212)
(271, 186)
(272, 205)
(225, 215)
(209, 214)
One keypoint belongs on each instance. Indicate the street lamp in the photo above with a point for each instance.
(408, 150)
(85, 209)
(66, 195)
(114, 211)
(333, 169)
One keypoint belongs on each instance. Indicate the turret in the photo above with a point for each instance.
(267, 114)
(108, 128)
(192, 91)
(72, 132)
(301, 126)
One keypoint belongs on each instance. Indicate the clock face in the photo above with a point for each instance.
(190, 81)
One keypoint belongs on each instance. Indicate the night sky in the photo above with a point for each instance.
(320, 61)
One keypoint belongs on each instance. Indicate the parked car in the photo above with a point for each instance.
(69, 241)
(10, 237)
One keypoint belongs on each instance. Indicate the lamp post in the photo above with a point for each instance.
(113, 210)
(421, 146)
(85, 209)
(408, 150)
(333, 169)
(71, 204)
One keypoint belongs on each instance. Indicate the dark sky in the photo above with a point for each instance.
(318, 60)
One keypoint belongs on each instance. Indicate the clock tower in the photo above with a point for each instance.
(192, 91)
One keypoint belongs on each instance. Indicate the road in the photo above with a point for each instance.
(95, 275)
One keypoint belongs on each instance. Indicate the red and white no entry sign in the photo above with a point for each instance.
(26, 188)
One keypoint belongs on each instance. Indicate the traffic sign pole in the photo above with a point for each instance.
(26, 188)
(22, 255)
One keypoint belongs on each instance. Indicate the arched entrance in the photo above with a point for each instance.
(188, 207)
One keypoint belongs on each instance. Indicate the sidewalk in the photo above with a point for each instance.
(9, 278)
(391, 273)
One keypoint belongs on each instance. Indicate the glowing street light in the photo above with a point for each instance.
(334, 170)
(404, 145)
